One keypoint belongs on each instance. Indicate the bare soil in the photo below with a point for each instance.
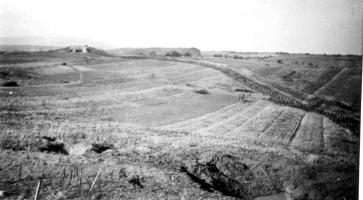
(137, 129)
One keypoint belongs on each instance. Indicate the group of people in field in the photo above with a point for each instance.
(243, 97)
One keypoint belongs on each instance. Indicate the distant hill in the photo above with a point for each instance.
(51, 41)
(26, 48)
(93, 55)
(155, 51)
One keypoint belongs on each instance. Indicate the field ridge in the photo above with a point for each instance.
(327, 84)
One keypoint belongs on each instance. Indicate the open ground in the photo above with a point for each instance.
(105, 126)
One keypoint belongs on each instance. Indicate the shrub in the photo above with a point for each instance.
(10, 143)
(279, 61)
(243, 90)
(11, 84)
(188, 54)
(173, 54)
(237, 57)
(202, 91)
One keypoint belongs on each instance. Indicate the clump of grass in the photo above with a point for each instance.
(312, 65)
(76, 137)
(10, 143)
(202, 91)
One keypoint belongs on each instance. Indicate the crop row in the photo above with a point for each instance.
(234, 121)
(284, 127)
(338, 140)
(310, 134)
(256, 125)
(208, 119)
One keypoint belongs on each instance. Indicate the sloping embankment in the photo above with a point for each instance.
(343, 116)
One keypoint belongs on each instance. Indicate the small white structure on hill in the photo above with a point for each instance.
(78, 49)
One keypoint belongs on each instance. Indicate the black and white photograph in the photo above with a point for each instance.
(180, 99)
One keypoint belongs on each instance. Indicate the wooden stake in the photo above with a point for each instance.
(94, 181)
(37, 191)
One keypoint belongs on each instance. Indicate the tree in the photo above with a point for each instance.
(188, 54)
(173, 54)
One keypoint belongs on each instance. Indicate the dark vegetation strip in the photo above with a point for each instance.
(344, 117)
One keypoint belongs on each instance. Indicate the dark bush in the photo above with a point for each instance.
(101, 147)
(202, 91)
(243, 90)
(11, 84)
(54, 147)
(188, 54)
(173, 54)
(237, 57)
(279, 61)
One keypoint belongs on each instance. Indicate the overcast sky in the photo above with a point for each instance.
(325, 26)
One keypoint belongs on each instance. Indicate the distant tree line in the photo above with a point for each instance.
(238, 57)
(178, 54)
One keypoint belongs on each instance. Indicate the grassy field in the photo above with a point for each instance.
(106, 127)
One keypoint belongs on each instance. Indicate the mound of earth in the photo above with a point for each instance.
(224, 172)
